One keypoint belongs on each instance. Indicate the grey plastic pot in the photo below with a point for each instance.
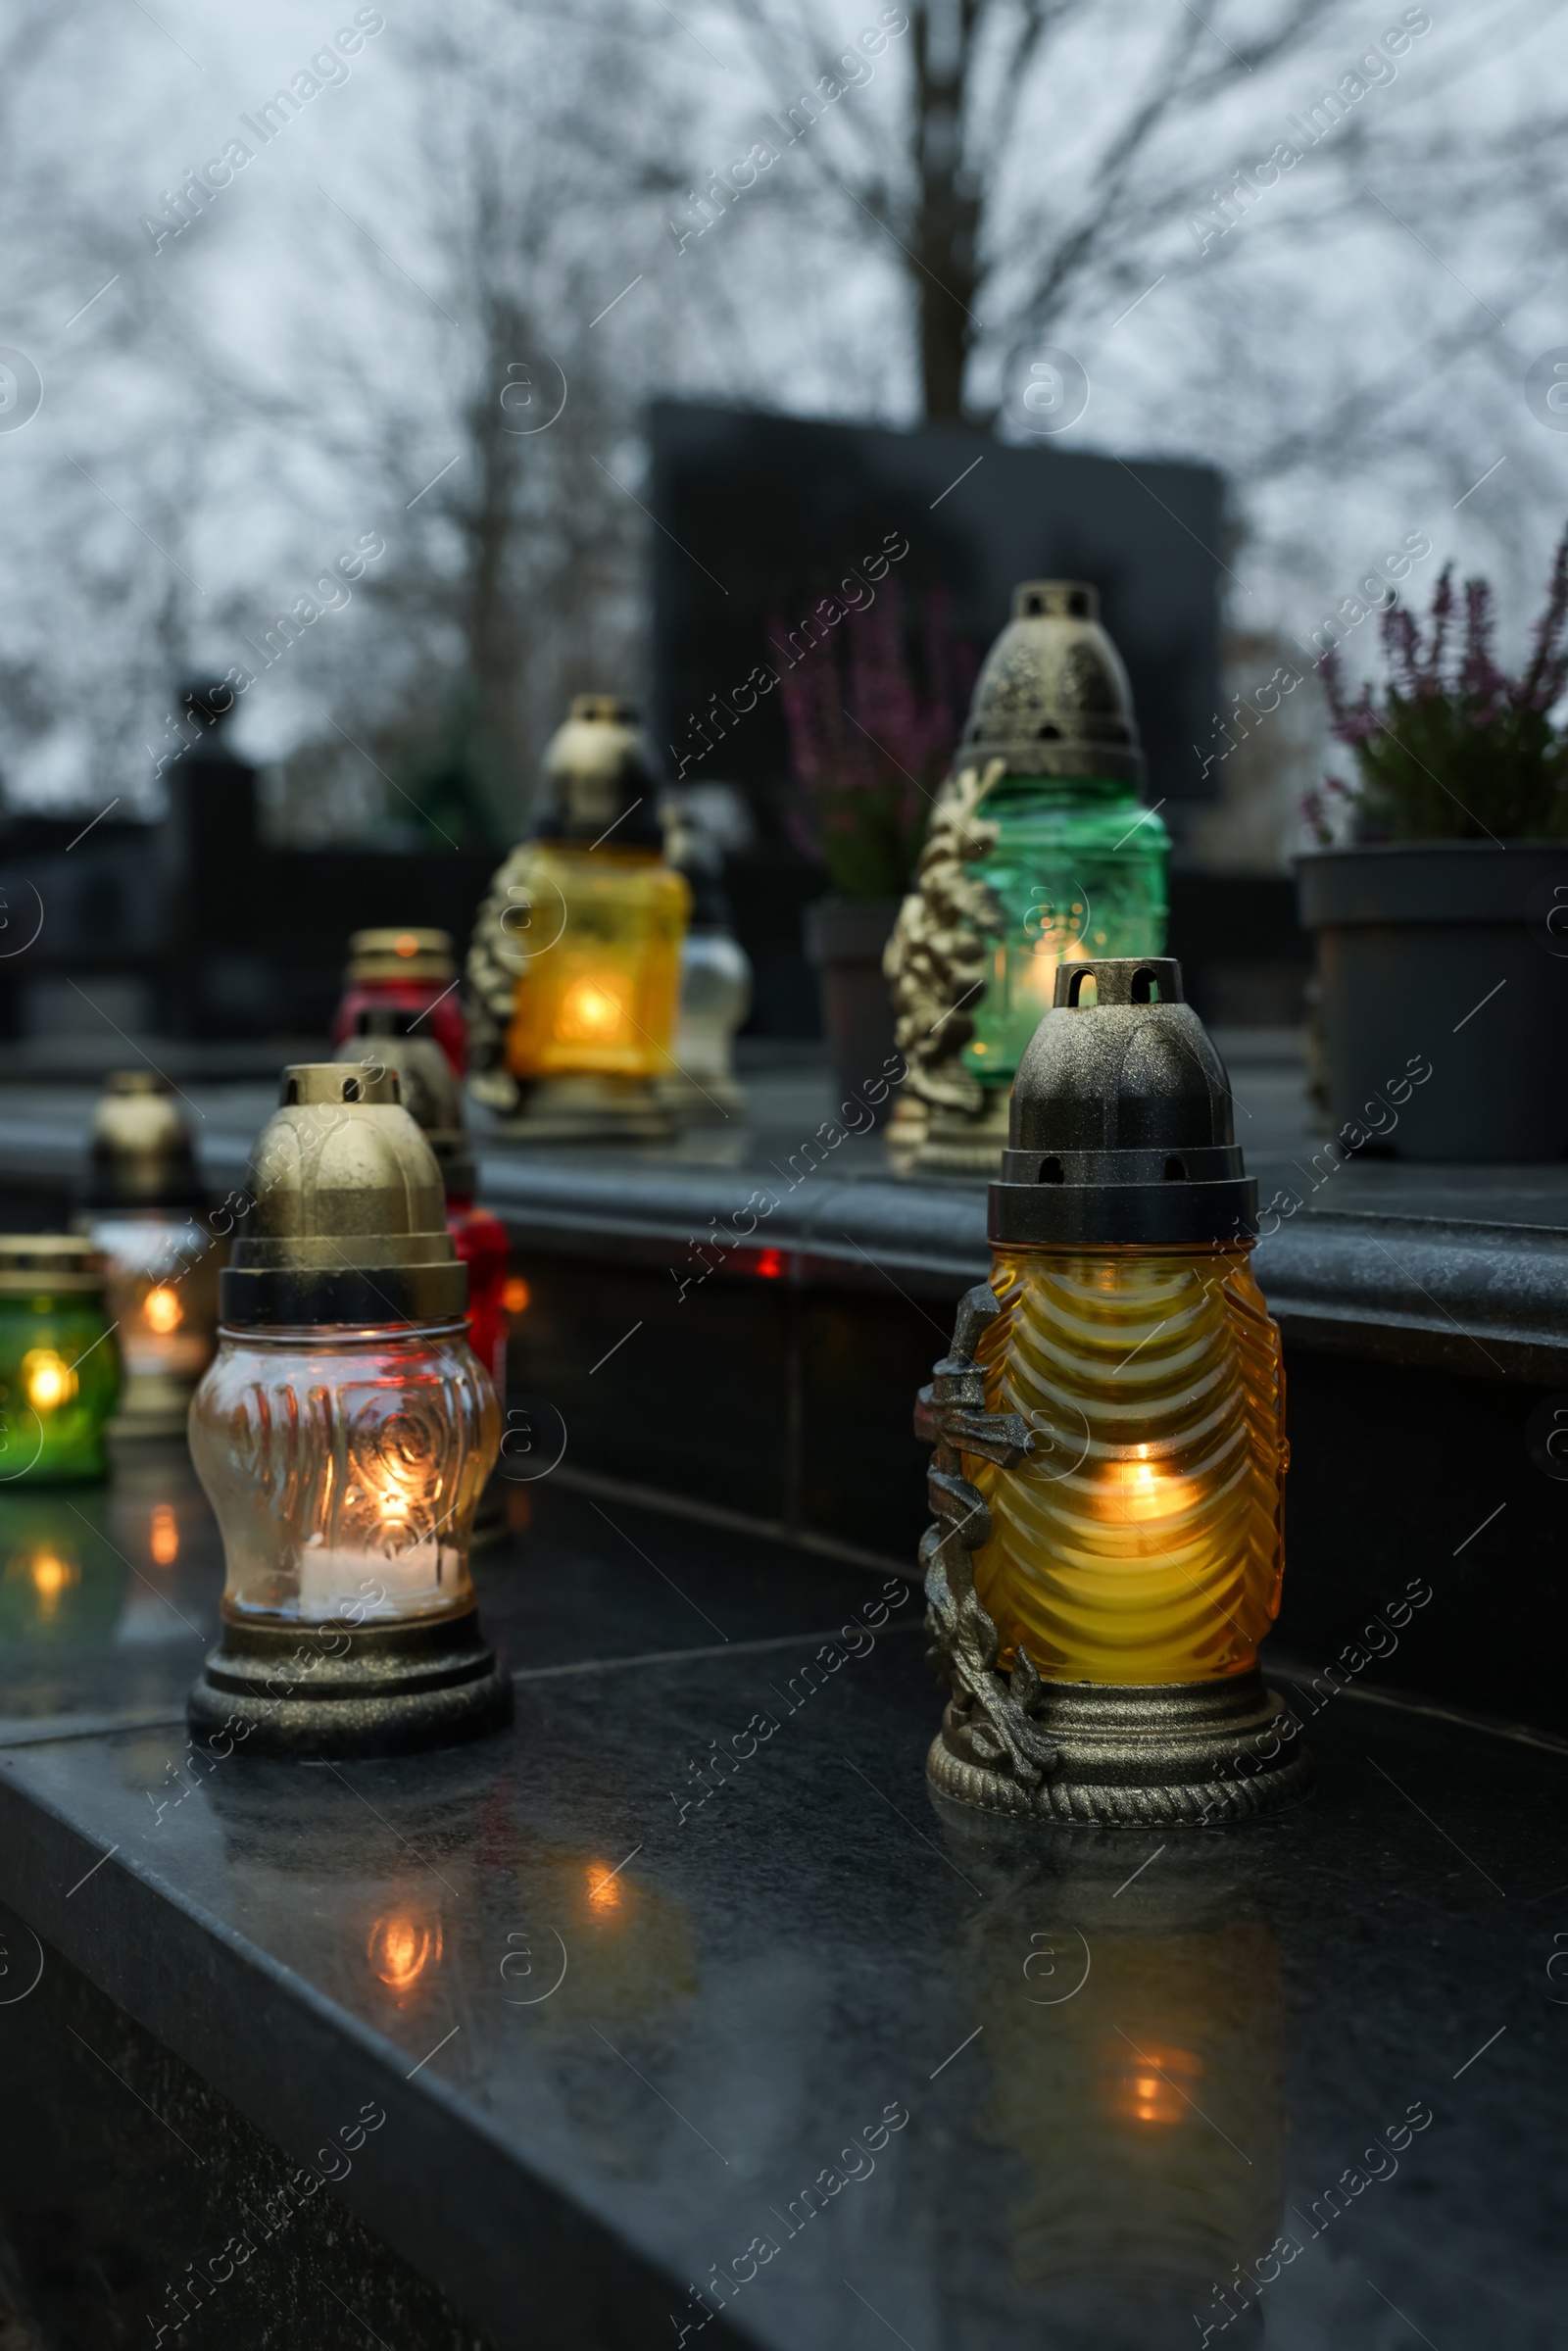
(844, 938)
(1453, 954)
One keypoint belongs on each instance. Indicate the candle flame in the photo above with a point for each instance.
(588, 1012)
(49, 1379)
(162, 1310)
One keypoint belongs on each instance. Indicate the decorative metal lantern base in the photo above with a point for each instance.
(301, 1692)
(1190, 1754)
(589, 1109)
(957, 1143)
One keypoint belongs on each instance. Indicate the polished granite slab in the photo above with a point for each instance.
(1451, 1270)
(690, 2013)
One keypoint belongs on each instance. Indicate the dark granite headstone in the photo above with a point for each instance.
(760, 515)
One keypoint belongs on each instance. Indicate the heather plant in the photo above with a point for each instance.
(871, 736)
(1452, 748)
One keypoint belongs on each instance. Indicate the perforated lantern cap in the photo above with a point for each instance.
(601, 779)
(1121, 1128)
(349, 1218)
(1053, 697)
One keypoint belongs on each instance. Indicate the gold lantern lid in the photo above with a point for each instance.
(384, 1038)
(1053, 697)
(406, 954)
(49, 1264)
(140, 1155)
(347, 1222)
(601, 779)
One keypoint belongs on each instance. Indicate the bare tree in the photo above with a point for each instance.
(512, 577)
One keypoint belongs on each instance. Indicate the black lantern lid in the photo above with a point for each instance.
(602, 780)
(1053, 698)
(1121, 1127)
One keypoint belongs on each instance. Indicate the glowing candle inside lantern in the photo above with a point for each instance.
(345, 1431)
(575, 969)
(1110, 1432)
(48, 1380)
(59, 1363)
(163, 1309)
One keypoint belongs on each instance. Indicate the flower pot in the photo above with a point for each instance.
(844, 939)
(1443, 953)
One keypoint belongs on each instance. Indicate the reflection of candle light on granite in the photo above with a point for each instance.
(604, 1889)
(401, 1948)
(1148, 2082)
(51, 1577)
(162, 1537)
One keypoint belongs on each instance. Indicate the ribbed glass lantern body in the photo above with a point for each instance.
(344, 1467)
(1141, 1541)
(1078, 869)
(601, 999)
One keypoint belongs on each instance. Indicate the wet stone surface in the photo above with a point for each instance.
(689, 2013)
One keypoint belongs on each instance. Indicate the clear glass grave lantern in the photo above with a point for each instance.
(1110, 1439)
(141, 1204)
(343, 1435)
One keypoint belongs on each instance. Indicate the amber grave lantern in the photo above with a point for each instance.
(575, 971)
(1110, 1431)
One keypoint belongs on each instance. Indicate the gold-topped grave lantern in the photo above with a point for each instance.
(575, 971)
(344, 1433)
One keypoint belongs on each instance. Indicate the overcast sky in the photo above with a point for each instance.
(225, 417)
